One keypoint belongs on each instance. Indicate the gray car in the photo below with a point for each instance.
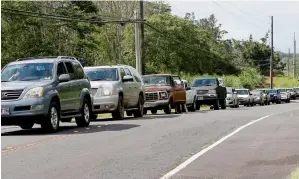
(46, 91)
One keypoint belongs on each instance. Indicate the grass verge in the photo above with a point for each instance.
(283, 82)
(294, 174)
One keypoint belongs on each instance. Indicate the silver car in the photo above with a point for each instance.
(231, 98)
(259, 97)
(245, 97)
(116, 89)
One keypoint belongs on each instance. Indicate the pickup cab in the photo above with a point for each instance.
(164, 92)
(210, 92)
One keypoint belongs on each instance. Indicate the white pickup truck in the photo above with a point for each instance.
(191, 95)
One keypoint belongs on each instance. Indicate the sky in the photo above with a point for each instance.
(242, 18)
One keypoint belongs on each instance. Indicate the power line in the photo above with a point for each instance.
(234, 14)
(242, 10)
(64, 18)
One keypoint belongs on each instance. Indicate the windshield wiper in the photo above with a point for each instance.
(4, 81)
(97, 79)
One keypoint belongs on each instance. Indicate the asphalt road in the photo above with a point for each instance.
(150, 147)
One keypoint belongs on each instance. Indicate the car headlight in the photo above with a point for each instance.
(35, 92)
(212, 91)
(163, 94)
(107, 91)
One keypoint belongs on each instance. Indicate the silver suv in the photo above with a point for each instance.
(116, 89)
(45, 90)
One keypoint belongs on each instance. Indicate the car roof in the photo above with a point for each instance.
(158, 75)
(95, 67)
(48, 60)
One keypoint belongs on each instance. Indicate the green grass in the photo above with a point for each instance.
(149, 112)
(294, 174)
(283, 82)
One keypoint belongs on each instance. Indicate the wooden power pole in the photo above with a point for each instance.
(272, 57)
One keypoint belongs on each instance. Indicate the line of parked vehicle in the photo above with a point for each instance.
(50, 90)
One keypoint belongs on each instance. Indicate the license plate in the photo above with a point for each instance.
(4, 111)
(147, 105)
(199, 98)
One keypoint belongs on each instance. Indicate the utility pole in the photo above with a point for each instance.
(289, 57)
(294, 57)
(137, 43)
(142, 54)
(271, 60)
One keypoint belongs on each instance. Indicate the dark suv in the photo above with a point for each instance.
(45, 90)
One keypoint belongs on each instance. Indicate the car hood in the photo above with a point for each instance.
(21, 85)
(97, 84)
(229, 95)
(205, 87)
(157, 88)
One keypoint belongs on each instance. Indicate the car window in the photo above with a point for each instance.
(136, 75)
(61, 69)
(70, 70)
(102, 74)
(128, 72)
(78, 69)
(122, 73)
(176, 79)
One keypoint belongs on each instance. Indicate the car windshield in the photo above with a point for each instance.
(272, 91)
(27, 72)
(229, 90)
(204, 82)
(156, 80)
(282, 90)
(102, 74)
(256, 93)
(242, 92)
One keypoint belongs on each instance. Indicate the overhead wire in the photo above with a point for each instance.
(234, 14)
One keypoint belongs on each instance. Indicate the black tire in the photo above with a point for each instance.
(129, 113)
(222, 103)
(216, 105)
(144, 111)
(252, 104)
(154, 111)
(139, 111)
(167, 109)
(52, 120)
(178, 109)
(193, 107)
(84, 119)
(27, 125)
(119, 113)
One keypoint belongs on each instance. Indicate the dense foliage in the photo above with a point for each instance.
(172, 44)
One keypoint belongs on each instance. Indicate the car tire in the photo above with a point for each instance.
(84, 119)
(178, 108)
(193, 106)
(27, 125)
(167, 109)
(140, 106)
(154, 111)
(119, 113)
(52, 120)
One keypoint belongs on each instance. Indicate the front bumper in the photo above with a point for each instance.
(257, 100)
(229, 102)
(243, 101)
(207, 99)
(16, 111)
(160, 104)
(103, 104)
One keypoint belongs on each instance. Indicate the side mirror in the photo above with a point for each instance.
(64, 78)
(250, 94)
(188, 88)
(127, 78)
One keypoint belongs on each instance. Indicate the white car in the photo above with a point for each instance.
(231, 98)
(116, 89)
(191, 95)
(245, 97)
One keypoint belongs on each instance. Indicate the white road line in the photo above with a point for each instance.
(200, 153)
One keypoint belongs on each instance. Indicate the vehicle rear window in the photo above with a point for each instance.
(102, 74)
(242, 92)
(204, 82)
